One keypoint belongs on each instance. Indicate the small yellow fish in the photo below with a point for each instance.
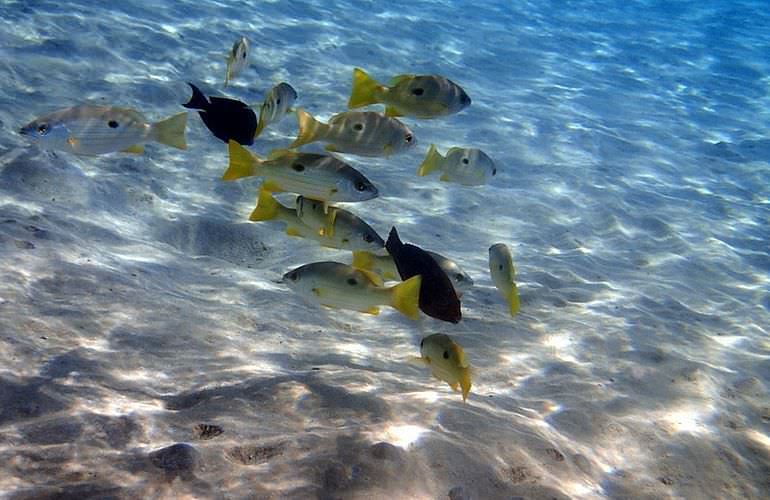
(467, 166)
(420, 96)
(355, 132)
(333, 284)
(277, 103)
(385, 267)
(320, 177)
(447, 362)
(93, 130)
(503, 275)
(237, 59)
(349, 232)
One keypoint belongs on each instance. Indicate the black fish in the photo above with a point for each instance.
(437, 295)
(225, 118)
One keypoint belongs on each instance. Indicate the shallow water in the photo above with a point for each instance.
(137, 301)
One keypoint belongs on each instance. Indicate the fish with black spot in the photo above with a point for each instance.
(438, 298)
(226, 118)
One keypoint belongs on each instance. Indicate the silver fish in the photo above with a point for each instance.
(277, 103)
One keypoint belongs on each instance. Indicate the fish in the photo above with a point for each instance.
(386, 267)
(438, 298)
(320, 177)
(503, 275)
(447, 362)
(237, 59)
(418, 96)
(89, 130)
(277, 104)
(333, 284)
(350, 232)
(466, 166)
(339, 224)
(225, 118)
(360, 133)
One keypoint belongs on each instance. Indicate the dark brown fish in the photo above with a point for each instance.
(437, 295)
(225, 118)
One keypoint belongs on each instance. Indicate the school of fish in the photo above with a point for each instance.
(421, 280)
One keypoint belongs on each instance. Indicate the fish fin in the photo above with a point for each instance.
(375, 278)
(417, 361)
(242, 162)
(444, 178)
(372, 310)
(272, 187)
(513, 300)
(387, 150)
(293, 231)
(406, 297)
(197, 100)
(260, 126)
(455, 386)
(365, 90)
(332, 148)
(398, 79)
(171, 131)
(394, 243)
(465, 381)
(266, 209)
(136, 149)
(280, 153)
(362, 260)
(431, 162)
(392, 112)
(310, 129)
(388, 276)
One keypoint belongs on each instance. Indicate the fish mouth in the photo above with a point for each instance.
(25, 131)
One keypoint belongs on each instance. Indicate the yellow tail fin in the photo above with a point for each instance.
(362, 260)
(310, 129)
(365, 90)
(266, 209)
(242, 162)
(171, 131)
(431, 162)
(513, 299)
(406, 297)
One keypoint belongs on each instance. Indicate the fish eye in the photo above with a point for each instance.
(500, 267)
(446, 354)
(408, 138)
(43, 129)
(352, 282)
(465, 161)
(244, 55)
(418, 91)
(358, 127)
(112, 124)
(360, 186)
(278, 101)
(368, 238)
(494, 171)
(422, 342)
(459, 277)
(298, 167)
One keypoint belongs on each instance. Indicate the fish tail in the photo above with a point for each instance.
(406, 297)
(260, 125)
(171, 131)
(266, 209)
(365, 90)
(465, 381)
(310, 129)
(242, 162)
(394, 242)
(197, 100)
(431, 162)
(362, 260)
(513, 299)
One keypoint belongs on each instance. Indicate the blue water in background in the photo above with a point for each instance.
(136, 301)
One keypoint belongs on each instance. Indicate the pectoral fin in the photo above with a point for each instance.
(136, 149)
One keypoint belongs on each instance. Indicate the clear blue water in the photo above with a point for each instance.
(136, 300)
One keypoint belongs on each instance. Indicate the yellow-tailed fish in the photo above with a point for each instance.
(333, 284)
(385, 267)
(504, 274)
(447, 362)
(355, 132)
(277, 103)
(321, 177)
(93, 130)
(237, 59)
(467, 166)
(419, 96)
(350, 232)
(337, 224)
